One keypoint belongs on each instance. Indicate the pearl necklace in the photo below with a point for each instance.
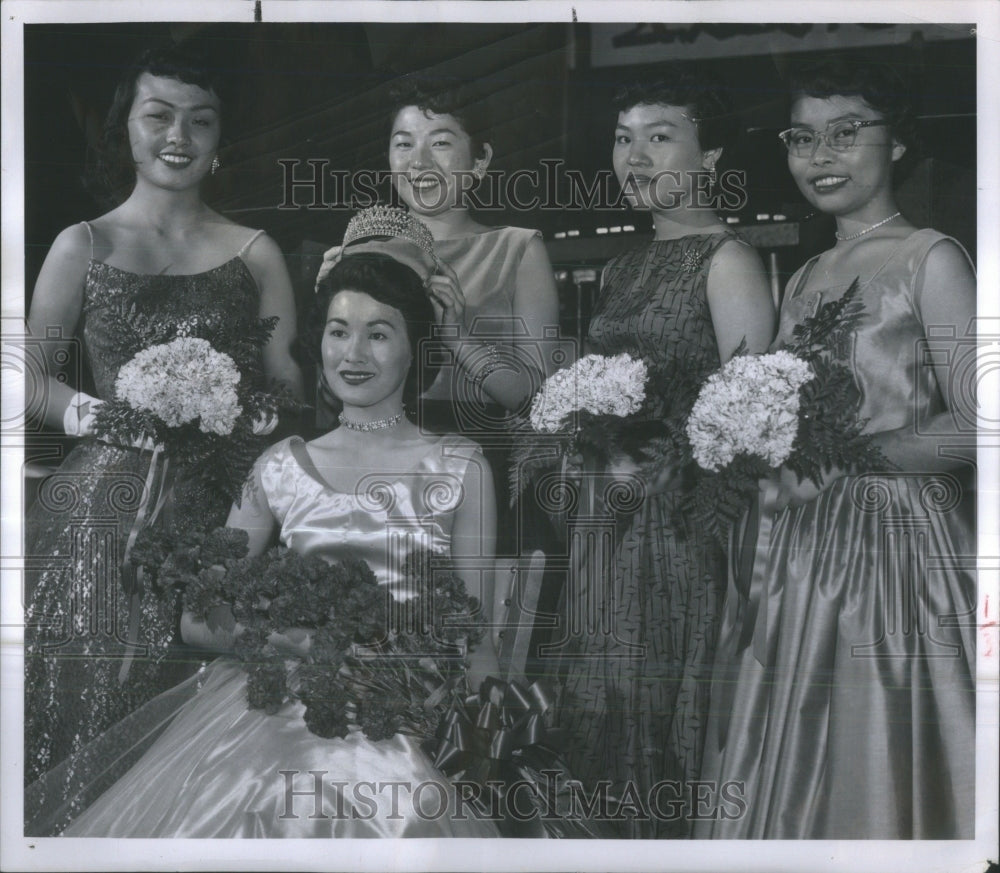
(369, 426)
(877, 224)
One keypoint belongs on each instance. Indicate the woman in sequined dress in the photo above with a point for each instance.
(635, 694)
(162, 258)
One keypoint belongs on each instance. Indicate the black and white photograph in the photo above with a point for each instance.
(500, 435)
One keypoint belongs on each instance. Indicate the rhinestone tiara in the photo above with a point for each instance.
(391, 221)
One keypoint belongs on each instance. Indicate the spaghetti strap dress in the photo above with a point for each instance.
(76, 611)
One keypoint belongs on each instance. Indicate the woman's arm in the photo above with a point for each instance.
(739, 298)
(473, 546)
(944, 291)
(536, 309)
(56, 305)
(945, 297)
(267, 264)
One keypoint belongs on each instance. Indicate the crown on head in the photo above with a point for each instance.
(391, 221)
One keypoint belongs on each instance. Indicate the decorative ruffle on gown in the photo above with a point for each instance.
(843, 702)
(635, 693)
(76, 533)
(224, 770)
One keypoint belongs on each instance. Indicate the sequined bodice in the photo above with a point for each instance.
(118, 306)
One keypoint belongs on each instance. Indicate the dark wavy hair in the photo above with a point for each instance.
(394, 284)
(879, 85)
(111, 175)
(706, 98)
(442, 97)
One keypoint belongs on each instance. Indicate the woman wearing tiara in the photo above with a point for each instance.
(496, 295)
(162, 262)
(843, 700)
(222, 769)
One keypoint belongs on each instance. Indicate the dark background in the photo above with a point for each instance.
(302, 91)
(319, 91)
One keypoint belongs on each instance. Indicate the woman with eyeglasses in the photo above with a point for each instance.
(843, 691)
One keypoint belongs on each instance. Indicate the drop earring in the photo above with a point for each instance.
(215, 165)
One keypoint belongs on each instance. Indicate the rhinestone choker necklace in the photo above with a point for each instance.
(369, 426)
(851, 236)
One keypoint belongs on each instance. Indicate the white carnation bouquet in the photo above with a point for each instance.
(795, 407)
(196, 399)
(595, 384)
(181, 382)
(600, 407)
(750, 407)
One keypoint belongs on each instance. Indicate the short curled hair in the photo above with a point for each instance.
(112, 174)
(879, 85)
(703, 95)
(394, 284)
(443, 97)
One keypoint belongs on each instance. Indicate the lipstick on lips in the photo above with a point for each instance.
(355, 377)
(828, 182)
(175, 159)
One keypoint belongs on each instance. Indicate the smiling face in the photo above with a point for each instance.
(173, 130)
(856, 183)
(366, 353)
(657, 155)
(426, 150)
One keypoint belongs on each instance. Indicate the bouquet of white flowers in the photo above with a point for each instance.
(795, 407)
(595, 384)
(751, 406)
(600, 407)
(196, 400)
(184, 381)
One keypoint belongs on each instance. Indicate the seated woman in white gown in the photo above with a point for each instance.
(222, 769)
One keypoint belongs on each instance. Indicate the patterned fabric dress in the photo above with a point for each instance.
(635, 695)
(77, 614)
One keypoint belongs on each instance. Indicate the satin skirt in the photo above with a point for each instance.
(843, 695)
(224, 770)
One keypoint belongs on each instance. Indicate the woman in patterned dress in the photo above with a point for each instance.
(635, 693)
(161, 259)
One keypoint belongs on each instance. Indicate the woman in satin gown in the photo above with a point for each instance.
(162, 262)
(635, 689)
(843, 700)
(222, 769)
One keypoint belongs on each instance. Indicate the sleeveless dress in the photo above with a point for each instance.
(843, 702)
(77, 615)
(635, 693)
(224, 770)
(486, 264)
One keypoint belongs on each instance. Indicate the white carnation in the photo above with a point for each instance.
(183, 381)
(751, 406)
(597, 384)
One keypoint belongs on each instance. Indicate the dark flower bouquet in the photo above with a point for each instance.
(386, 666)
(196, 399)
(796, 406)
